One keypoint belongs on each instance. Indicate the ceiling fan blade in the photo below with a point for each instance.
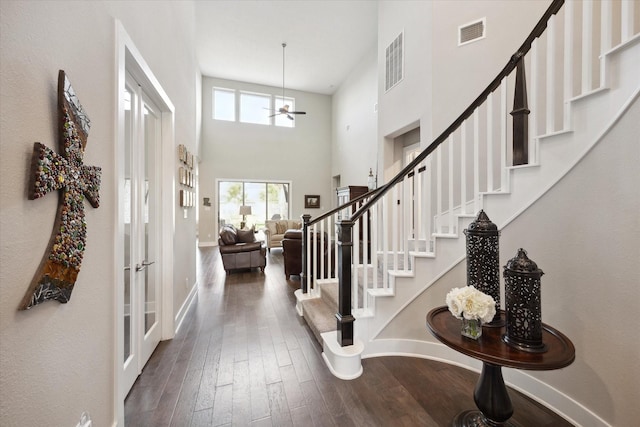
(297, 112)
(289, 117)
(274, 114)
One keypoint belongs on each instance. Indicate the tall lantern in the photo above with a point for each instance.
(483, 260)
(522, 304)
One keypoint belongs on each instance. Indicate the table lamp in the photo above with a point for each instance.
(244, 211)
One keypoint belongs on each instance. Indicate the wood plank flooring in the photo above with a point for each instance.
(244, 357)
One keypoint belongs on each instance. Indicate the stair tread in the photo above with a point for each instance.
(329, 293)
(319, 316)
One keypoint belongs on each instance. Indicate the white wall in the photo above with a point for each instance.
(355, 123)
(57, 360)
(407, 105)
(440, 78)
(461, 73)
(583, 234)
(233, 150)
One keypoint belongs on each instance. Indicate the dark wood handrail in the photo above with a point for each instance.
(344, 205)
(508, 68)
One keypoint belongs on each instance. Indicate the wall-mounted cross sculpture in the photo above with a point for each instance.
(59, 268)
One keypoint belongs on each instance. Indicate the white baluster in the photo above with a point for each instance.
(463, 169)
(504, 183)
(407, 211)
(568, 63)
(374, 242)
(490, 142)
(450, 214)
(587, 46)
(418, 200)
(439, 188)
(550, 79)
(385, 237)
(427, 205)
(476, 160)
(394, 226)
(626, 19)
(322, 245)
(356, 264)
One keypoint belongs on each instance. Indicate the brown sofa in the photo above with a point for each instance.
(292, 253)
(240, 250)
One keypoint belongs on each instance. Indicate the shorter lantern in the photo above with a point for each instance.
(483, 260)
(522, 304)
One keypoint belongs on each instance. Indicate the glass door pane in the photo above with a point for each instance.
(151, 132)
(126, 201)
(230, 199)
(277, 200)
(255, 196)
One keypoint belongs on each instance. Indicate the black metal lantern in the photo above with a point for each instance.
(522, 304)
(483, 260)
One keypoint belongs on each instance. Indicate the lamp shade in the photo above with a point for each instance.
(245, 210)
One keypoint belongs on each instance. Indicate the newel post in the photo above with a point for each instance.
(306, 218)
(520, 115)
(344, 317)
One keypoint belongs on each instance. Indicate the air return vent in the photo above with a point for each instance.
(394, 62)
(472, 32)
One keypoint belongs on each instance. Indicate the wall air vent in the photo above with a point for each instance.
(394, 62)
(472, 32)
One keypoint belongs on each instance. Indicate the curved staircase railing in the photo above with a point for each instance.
(375, 235)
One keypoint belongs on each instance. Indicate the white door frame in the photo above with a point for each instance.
(129, 59)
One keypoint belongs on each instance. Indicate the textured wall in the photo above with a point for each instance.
(58, 360)
(355, 123)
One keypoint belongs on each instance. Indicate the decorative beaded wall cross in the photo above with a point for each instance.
(50, 171)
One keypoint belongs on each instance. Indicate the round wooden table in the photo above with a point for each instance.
(490, 395)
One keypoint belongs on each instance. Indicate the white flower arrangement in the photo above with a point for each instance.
(470, 303)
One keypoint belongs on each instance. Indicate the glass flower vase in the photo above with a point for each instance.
(471, 328)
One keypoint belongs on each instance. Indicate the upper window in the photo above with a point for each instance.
(254, 108)
(224, 104)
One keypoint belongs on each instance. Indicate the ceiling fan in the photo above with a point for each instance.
(284, 110)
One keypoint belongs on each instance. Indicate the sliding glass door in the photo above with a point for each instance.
(266, 200)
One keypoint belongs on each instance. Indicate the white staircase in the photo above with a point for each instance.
(415, 229)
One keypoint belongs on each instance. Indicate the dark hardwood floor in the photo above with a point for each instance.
(244, 357)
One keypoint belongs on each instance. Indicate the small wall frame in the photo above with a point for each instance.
(311, 201)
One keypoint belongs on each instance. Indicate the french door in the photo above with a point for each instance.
(141, 252)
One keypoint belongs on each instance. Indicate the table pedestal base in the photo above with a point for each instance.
(475, 418)
(492, 399)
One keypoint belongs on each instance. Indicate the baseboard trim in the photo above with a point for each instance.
(185, 307)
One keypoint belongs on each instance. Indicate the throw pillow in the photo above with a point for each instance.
(281, 227)
(228, 236)
(247, 236)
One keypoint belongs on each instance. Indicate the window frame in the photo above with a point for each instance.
(214, 103)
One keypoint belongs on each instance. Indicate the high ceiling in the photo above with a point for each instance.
(242, 40)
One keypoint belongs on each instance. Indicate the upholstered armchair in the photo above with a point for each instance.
(274, 231)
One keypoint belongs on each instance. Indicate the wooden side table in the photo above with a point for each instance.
(490, 395)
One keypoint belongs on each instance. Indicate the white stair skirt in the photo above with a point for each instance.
(343, 362)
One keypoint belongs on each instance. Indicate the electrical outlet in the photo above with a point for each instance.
(186, 282)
